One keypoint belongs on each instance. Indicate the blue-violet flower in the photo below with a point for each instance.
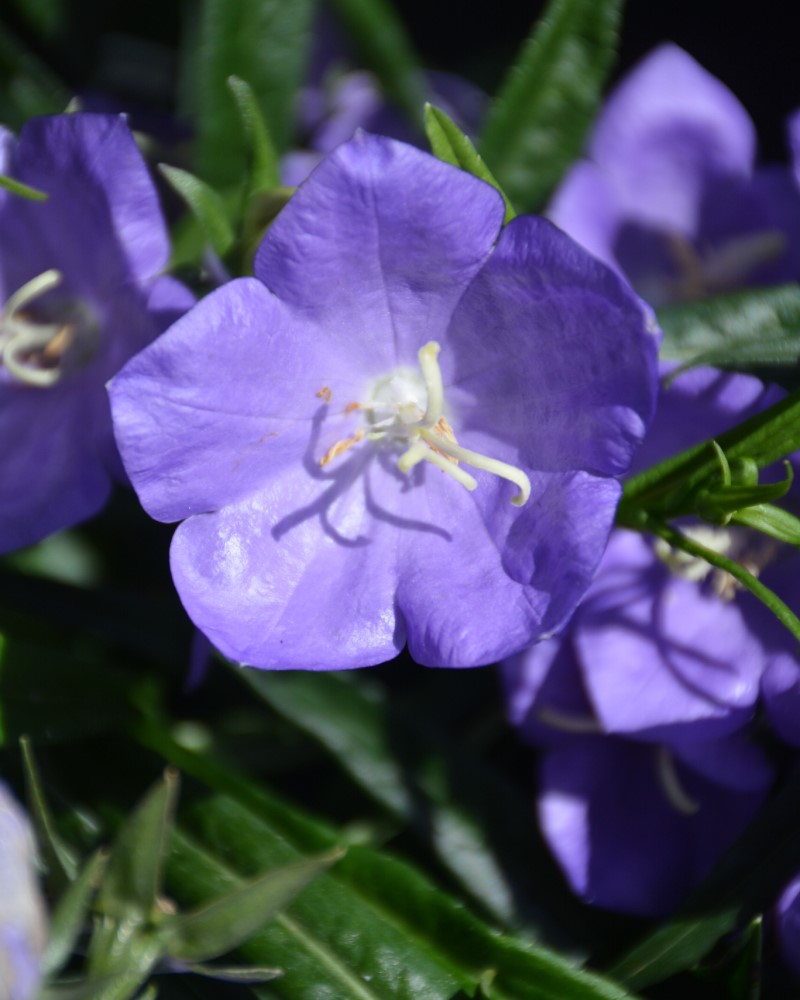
(405, 428)
(80, 293)
(669, 193)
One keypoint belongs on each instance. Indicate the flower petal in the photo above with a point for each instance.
(665, 130)
(378, 246)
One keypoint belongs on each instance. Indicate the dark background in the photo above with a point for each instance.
(126, 49)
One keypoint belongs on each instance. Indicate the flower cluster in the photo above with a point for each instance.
(644, 704)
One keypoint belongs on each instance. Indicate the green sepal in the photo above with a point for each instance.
(264, 168)
(744, 981)
(668, 489)
(536, 125)
(205, 204)
(773, 521)
(70, 913)
(22, 190)
(450, 144)
(60, 860)
(719, 503)
(234, 918)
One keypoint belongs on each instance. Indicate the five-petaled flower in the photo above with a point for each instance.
(80, 293)
(406, 428)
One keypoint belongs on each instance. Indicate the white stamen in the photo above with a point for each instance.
(407, 409)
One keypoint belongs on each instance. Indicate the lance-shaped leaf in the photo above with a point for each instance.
(264, 169)
(450, 144)
(537, 124)
(204, 203)
(372, 928)
(758, 328)
(134, 876)
(70, 914)
(772, 521)
(235, 917)
(265, 43)
(59, 858)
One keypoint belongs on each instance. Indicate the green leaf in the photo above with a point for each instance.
(205, 204)
(772, 521)
(231, 919)
(385, 48)
(70, 914)
(60, 860)
(665, 488)
(265, 171)
(536, 126)
(27, 87)
(265, 42)
(468, 812)
(373, 928)
(757, 328)
(133, 880)
(450, 144)
(22, 190)
(672, 948)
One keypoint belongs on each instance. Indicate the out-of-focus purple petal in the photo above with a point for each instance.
(663, 658)
(621, 842)
(668, 127)
(23, 919)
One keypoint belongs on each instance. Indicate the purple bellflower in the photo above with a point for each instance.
(23, 922)
(80, 293)
(641, 702)
(405, 428)
(670, 195)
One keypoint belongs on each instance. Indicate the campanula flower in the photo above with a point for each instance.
(641, 702)
(23, 923)
(669, 193)
(80, 293)
(405, 428)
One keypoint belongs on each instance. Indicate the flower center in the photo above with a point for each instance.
(406, 408)
(42, 341)
(722, 268)
(751, 549)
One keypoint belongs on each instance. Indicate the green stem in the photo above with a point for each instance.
(680, 541)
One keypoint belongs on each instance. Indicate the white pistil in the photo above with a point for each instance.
(676, 794)
(398, 415)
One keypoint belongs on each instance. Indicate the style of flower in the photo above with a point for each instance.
(23, 921)
(670, 195)
(80, 293)
(405, 428)
(641, 702)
